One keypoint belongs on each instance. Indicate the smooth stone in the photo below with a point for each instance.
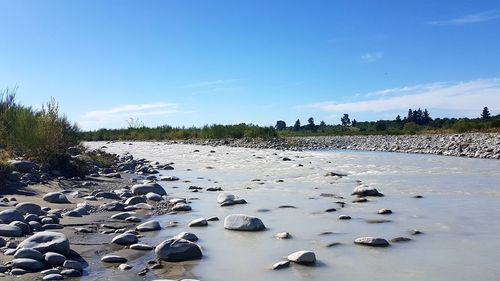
(384, 212)
(133, 219)
(28, 253)
(180, 207)
(187, 236)
(10, 215)
(400, 239)
(73, 214)
(124, 266)
(114, 206)
(135, 200)
(18, 271)
(72, 264)
(31, 217)
(213, 219)
(113, 259)
(34, 225)
(198, 222)
(225, 197)
(29, 208)
(241, 222)
(141, 247)
(344, 217)
(71, 273)
(27, 264)
(281, 265)
(153, 196)
(82, 210)
(52, 258)
(364, 190)
(47, 241)
(107, 195)
(52, 226)
(50, 271)
(283, 235)
(53, 276)
(47, 220)
(122, 215)
(140, 189)
(302, 257)
(149, 226)
(56, 197)
(125, 239)
(10, 230)
(372, 241)
(177, 250)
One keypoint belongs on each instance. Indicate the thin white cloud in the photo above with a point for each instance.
(211, 83)
(468, 19)
(102, 118)
(463, 97)
(371, 57)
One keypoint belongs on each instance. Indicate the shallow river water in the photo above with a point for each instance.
(459, 213)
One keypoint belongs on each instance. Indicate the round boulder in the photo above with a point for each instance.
(149, 226)
(10, 215)
(56, 197)
(302, 257)
(177, 250)
(145, 188)
(29, 208)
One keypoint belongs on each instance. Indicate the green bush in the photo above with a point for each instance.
(462, 126)
(41, 135)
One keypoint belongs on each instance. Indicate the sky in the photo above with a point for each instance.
(191, 63)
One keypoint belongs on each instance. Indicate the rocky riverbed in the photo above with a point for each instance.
(169, 211)
(474, 145)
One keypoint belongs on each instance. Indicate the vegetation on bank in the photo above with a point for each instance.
(168, 132)
(42, 135)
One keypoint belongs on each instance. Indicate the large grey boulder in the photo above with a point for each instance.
(302, 257)
(243, 223)
(198, 222)
(148, 226)
(372, 241)
(29, 208)
(47, 241)
(10, 215)
(176, 250)
(56, 197)
(28, 264)
(145, 188)
(8, 230)
(125, 239)
(364, 190)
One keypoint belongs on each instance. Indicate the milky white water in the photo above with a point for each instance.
(459, 214)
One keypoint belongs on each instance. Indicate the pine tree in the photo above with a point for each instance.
(296, 126)
(486, 113)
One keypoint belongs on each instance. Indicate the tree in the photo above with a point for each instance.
(310, 124)
(345, 120)
(426, 117)
(354, 123)
(322, 125)
(486, 113)
(280, 125)
(398, 119)
(296, 126)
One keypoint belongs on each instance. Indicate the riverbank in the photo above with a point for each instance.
(473, 145)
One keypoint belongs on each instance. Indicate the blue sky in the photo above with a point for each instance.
(202, 62)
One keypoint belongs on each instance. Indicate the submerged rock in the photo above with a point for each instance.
(364, 190)
(372, 241)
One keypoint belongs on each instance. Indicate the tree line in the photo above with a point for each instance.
(415, 120)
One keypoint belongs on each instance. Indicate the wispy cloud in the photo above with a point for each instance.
(470, 18)
(462, 97)
(211, 83)
(371, 57)
(100, 118)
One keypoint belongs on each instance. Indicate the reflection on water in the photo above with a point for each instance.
(459, 214)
